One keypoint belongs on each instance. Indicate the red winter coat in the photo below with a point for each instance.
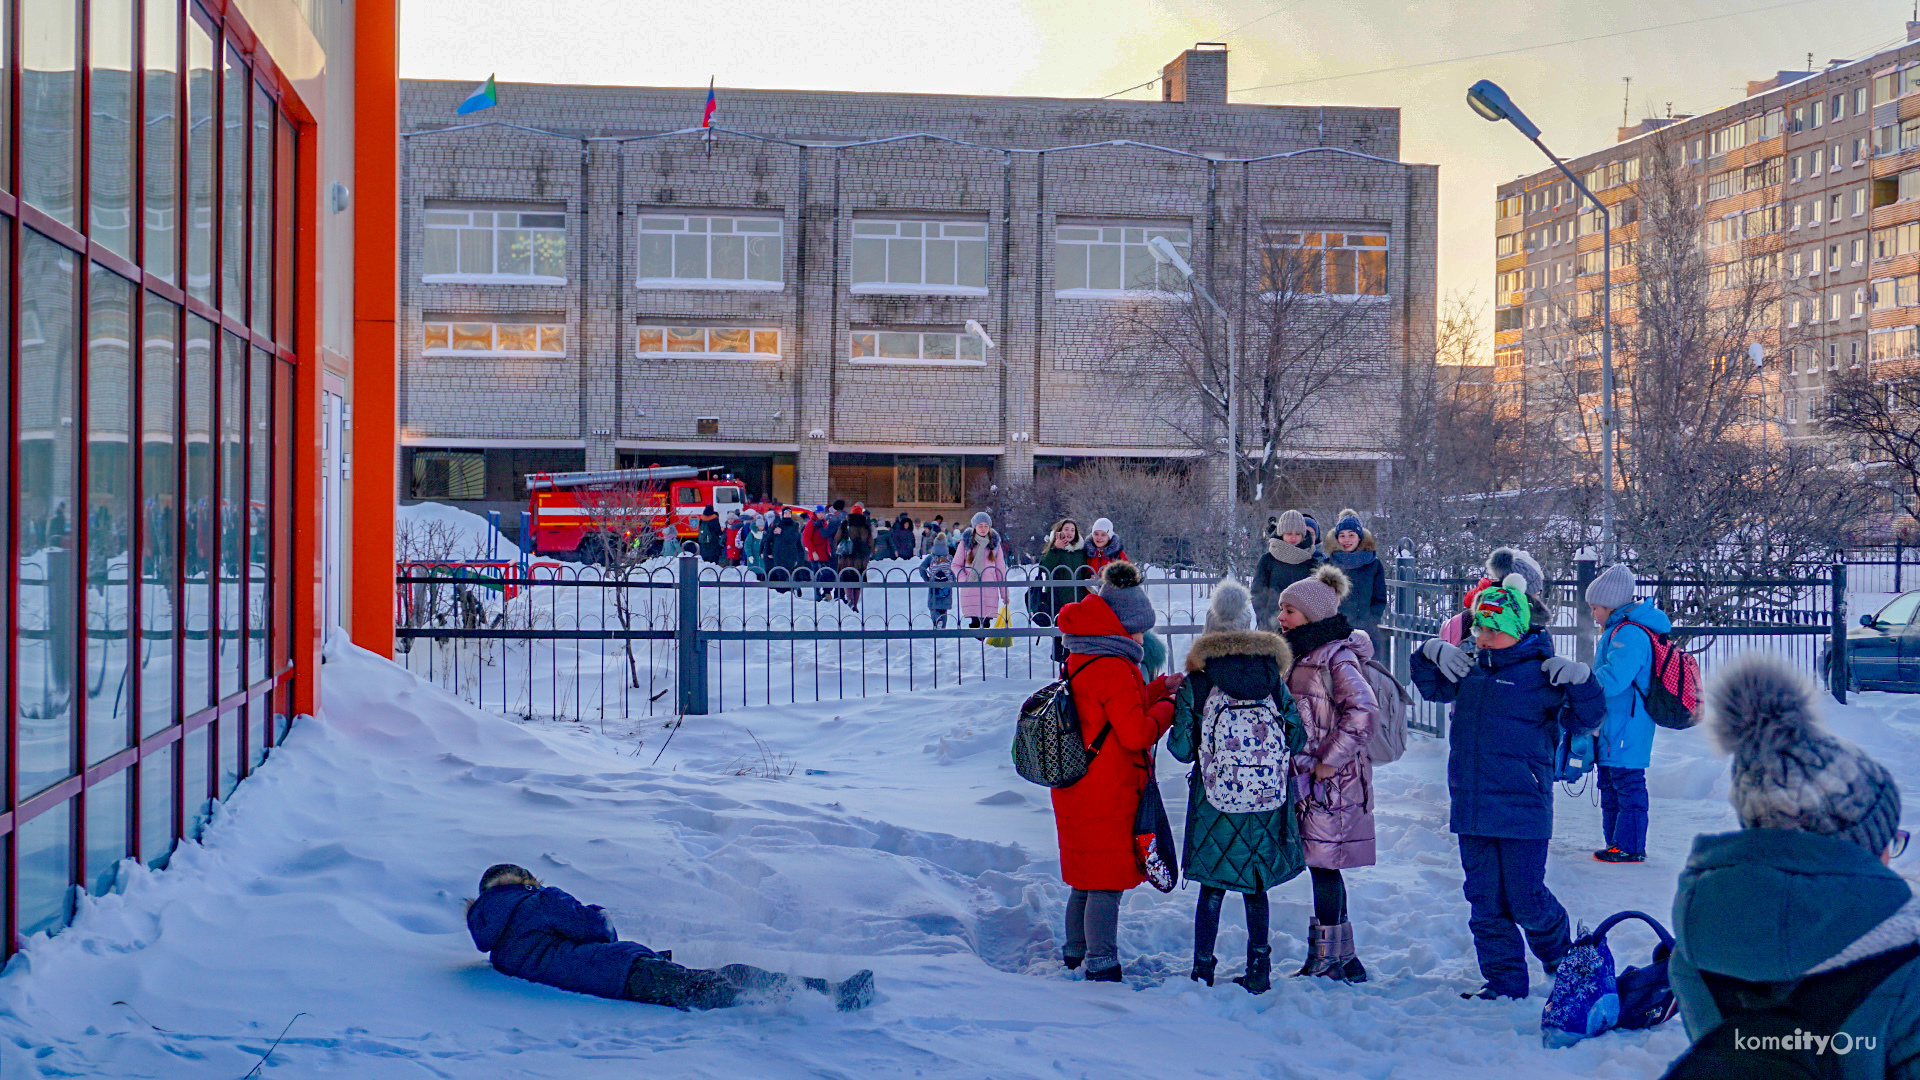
(815, 543)
(1097, 558)
(1094, 818)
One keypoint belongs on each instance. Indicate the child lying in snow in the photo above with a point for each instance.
(544, 935)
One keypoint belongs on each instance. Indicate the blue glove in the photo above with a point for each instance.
(1564, 672)
(1452, 660)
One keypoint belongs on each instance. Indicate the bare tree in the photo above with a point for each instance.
(1880, 420)
(1314, 315)
(621, 522)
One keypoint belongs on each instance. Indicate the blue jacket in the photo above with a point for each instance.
(546, 936)
(1623, 666)
(1506, 723)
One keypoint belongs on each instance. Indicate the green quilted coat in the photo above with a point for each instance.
(1246, 853)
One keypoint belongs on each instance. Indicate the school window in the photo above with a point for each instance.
(938, 257)
(1103, 260)
(916, 348)
(707, 342)
(517, 245)
(449, 474)
(926, 481)
(710, 252)
(468, 338)
(1329, 263)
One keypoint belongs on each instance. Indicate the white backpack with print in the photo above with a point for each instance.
(1243, 754)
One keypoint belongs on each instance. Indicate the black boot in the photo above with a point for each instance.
(1203, 969)
(1258, 979)
(1111, 974)
(1070, 960)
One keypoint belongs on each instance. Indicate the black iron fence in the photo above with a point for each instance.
(675, 636)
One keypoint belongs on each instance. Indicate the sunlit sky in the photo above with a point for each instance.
(1088, 48)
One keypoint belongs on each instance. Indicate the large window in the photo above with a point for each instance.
(940, 257)
(462, 338)
(928, 348)
(1106, 260)
(703, 342)
(926, 481)
(710, 252)
(1329, 263)
(516, 245)
(449, 474)
(147, 439)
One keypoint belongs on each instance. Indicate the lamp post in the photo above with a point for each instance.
(1164, 254)
(1492, 103)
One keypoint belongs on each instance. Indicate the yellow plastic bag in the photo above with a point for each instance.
(1000, 620)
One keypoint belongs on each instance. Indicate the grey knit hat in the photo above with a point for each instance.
(1506, 560)
(1612, 589)
(1293, 521)
(1120, 588)
(1789, 772)
(1231, 609)
(983, 518)
(1318, 597)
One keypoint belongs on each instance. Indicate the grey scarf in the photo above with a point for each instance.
(1105, 645)
(1291, 554)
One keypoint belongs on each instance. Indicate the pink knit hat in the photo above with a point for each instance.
(1318, 597)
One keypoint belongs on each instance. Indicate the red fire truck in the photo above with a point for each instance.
(585, 514)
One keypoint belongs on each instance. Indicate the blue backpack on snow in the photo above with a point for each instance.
(1588, 998)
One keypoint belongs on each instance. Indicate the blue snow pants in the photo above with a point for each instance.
(1507, 893)
(1623, 808)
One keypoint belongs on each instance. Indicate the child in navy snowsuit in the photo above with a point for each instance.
(1510, 699)
(544, 935)
(938, 567)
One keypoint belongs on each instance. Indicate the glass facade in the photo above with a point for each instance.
(146, 255)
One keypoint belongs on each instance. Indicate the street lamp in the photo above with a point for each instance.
(1492, 103)
(1164, 254)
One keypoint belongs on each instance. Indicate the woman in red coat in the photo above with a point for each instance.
(1125, 715)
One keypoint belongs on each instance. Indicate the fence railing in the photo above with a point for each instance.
(675, 636)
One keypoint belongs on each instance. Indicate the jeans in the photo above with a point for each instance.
(1329, 896)
(1093, 925)
(1623, 808)
(1206, 920)
(1507, 893)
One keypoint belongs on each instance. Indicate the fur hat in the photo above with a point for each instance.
(1293, 521)
(507, 873)
(1504, 607)
(1104, 525)
(1613, 589)
(1506, 560)
(1231, 609)
(1318, 597)
(983, 518)
(1789, 772)
(1120, 588)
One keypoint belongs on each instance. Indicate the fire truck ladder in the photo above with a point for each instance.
(551, 481)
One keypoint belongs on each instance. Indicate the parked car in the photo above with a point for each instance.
(1883, 652)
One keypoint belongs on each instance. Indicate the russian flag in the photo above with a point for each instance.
(706, 116)
(484, 98)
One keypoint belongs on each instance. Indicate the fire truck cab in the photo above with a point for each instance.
(587, 515)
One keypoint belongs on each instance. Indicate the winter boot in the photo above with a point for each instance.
(1258, 979)
(853, 994)
(1615, 855)
(1071, 960)
(1203, 969)
(1111, 974)
(1343, 964)
(1319, 950)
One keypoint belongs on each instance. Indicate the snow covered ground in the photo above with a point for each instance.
(889, 832)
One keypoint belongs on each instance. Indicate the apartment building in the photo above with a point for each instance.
(1809, 186)
(895, 298)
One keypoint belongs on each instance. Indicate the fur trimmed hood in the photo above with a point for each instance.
(1238, 643)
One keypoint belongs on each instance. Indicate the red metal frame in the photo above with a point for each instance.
(292, 373)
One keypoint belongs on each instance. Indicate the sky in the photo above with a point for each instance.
(1321, 52)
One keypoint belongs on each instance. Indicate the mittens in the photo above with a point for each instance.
(1564, 672)
(1452, 661)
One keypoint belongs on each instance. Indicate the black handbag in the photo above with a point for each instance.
(1153, 849)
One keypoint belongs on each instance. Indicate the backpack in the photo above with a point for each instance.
(1762, 1035)
(1244, 760)
(1588, 998)
(1672, 697)
(1046, 741)
(1389, 740)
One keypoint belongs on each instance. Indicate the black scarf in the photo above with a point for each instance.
(1315, 634)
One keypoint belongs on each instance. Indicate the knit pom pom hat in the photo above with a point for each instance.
(1293, 521)
(1120, 588)
(1789, 771)
(1318, 597)
(1506, 560)
(1231, 609)
(1504, 607)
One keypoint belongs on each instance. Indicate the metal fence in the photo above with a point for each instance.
(1891, 568)
(675, 636)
